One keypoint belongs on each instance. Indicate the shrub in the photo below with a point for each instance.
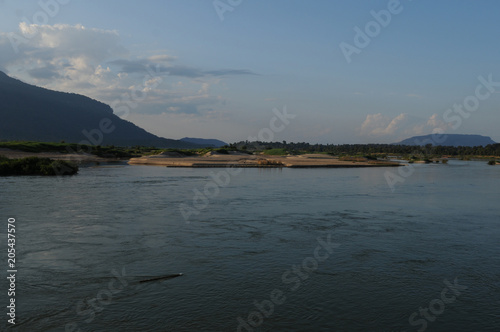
(267, 162)
(275, 152)
(353, 159)
(36, 166)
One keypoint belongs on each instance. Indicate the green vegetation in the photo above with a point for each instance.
(29, 146)
(275, 152)
(202, 151)
(36, 166)
(106, 151)
(182, 152)
(379, 150)
(366, 151)
(353, 158)
(194, 152)
(109, 151)
(492, 162)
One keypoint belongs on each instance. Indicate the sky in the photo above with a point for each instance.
(323, 71)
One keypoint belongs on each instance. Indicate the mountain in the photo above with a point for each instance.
(215, 143)
(448, 140)
(28, 112)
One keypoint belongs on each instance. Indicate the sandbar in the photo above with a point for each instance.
(257, 161)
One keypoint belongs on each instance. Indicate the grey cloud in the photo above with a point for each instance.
(185, 109)
(130, 67)
(226, 72)
(83, 85)
(47, 72)
(184, 71)
(191, 105)
(141, 66)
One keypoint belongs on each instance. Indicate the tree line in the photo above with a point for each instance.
(367, 149)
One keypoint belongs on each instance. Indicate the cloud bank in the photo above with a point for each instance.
(93, 62)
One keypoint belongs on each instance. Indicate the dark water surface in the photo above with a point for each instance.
(85, 242)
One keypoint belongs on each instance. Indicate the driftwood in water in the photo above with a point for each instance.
(170, 276)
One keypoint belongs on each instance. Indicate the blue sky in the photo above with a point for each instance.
(186, 72)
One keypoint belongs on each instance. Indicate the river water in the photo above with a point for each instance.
(259, 249)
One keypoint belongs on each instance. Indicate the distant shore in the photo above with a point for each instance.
(78, 158)
(256, 161)
(209, 160)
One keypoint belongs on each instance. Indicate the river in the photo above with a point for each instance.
(259, 249)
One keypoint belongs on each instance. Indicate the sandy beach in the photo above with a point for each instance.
(245, 160)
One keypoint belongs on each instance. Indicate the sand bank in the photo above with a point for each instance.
(244, 160)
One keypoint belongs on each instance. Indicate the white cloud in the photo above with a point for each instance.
(162, 58)
(383, 128)
(63, 57)
(93, 62)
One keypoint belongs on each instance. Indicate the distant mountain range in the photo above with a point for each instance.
(448, 140)
(214, 143)
(28, 112)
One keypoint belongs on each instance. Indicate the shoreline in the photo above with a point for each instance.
(78, 158)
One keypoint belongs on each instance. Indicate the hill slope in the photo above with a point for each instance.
(28, 112)
(205, 142)
(449, 140)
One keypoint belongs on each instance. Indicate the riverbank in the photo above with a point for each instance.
(233, 159)
(246, 160)
(77, 158)
(36, 166)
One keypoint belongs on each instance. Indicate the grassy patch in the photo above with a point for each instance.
(350, 158)
(275, 152)
(101, 151)
(110, 151)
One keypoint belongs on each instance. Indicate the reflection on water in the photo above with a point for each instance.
(77, 234)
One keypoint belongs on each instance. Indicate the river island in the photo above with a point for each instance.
(238, 159)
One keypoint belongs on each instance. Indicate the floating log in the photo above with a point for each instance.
(170, 276)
